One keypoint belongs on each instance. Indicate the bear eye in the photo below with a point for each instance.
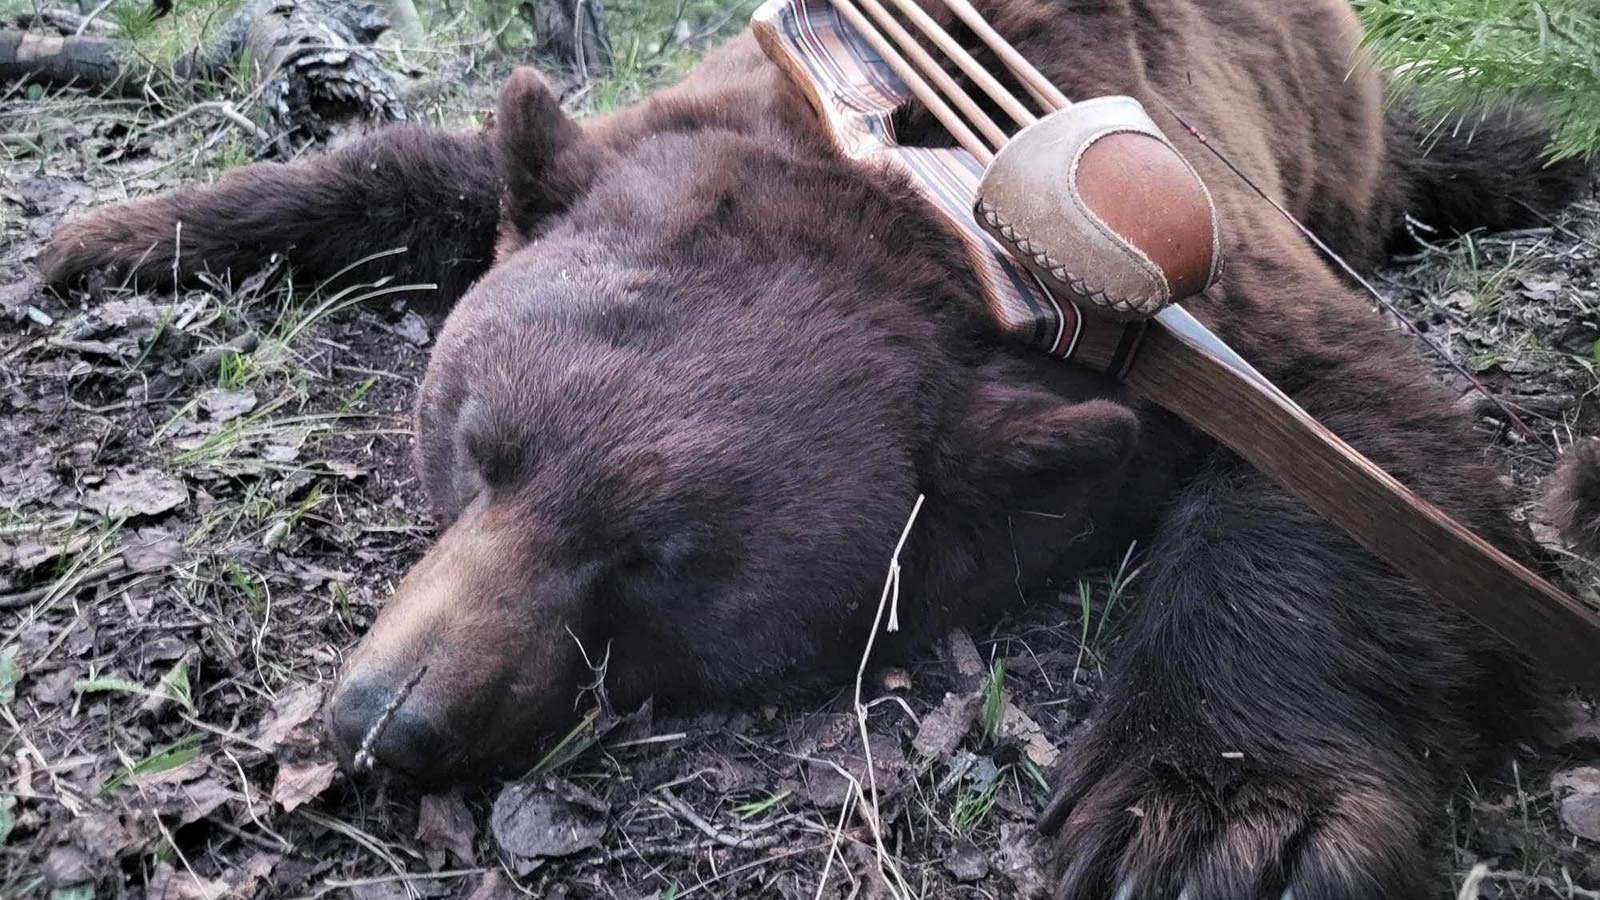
(494, 451)
(664, 555)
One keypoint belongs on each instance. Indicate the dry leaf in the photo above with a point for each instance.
(144, 493)
(942, 730)
(445, 823)
(965, 654)
(293, 708)
(302, 781)
(1016, 725)
(828, 788)
(535, 822)
(225, 405)
(167, 883)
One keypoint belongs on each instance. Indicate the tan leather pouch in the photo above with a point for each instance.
(1097, 203)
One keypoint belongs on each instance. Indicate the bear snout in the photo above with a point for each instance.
(376, 722)
(470, 661)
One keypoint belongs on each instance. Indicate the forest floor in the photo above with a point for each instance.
(205, 496)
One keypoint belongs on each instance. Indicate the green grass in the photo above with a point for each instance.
(992, 715)
(1094, 618)
(1458, 53)
(757, 808)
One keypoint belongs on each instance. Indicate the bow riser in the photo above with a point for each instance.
(856, 96)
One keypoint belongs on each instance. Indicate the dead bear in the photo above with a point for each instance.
(697, 367)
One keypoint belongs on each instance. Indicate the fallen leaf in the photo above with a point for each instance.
(494, 886)
(1541, 289)
(1017, 726)
(1581, 780)
(1580, 807)
(10, 674)
(301, 781)
(67, 865)
(382, 890)
(107, 834)
(942, 730)
(966, 863)
(144, 493)
(1018, 860)
(195, 800)
(24, 484)
(8, 818)
(256, 871)
(1581, 814)
(293, 708)
(167, 883)
(445, 823)
(223, 405)
(413, 328)
(152, 550)
(280, 453)
(828, 788)
(965, 654)
(535, 822)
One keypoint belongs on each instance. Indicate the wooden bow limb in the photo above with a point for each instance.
(1189, 371)
(1172, 360)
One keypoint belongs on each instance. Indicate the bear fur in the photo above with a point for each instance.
(697, 367)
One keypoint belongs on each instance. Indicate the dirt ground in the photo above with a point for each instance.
(204, 498)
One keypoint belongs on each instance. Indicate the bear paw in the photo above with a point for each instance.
(1226, 829)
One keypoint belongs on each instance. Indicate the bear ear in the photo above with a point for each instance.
(539, 150)
(1008, 436)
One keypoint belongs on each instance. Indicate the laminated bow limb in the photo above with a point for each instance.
(1084, 228)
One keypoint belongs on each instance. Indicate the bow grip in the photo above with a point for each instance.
(1130, 229)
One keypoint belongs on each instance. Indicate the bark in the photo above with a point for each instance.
(55, 60)
(311, 60)
(572, 32)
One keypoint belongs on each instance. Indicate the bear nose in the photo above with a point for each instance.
(371, 714)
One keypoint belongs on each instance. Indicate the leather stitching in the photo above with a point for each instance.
(1058, 271)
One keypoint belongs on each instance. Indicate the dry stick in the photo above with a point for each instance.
(1405, 321)
(973, 69)
(363, 759)
(93, 14)
(673, 805)
(929, 97)
(1042, 89)
(221, 108)
(891, 589)
(930, 69)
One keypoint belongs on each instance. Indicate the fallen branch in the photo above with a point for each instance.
(55, 60)
(221, 108)
(310, 62)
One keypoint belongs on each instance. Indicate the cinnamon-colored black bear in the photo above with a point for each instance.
(697, 367)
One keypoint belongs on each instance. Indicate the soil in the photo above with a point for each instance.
(205, 496)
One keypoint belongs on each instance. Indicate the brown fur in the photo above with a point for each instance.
(681, 420)
(1572, 497)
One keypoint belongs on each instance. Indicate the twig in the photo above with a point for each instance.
(890, 600)
(92, 15)
(670, 802)
(221, 108)
(363, 759)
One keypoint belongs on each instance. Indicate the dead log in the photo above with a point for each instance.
(315, 68)
(312, 61)
(56, 60)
